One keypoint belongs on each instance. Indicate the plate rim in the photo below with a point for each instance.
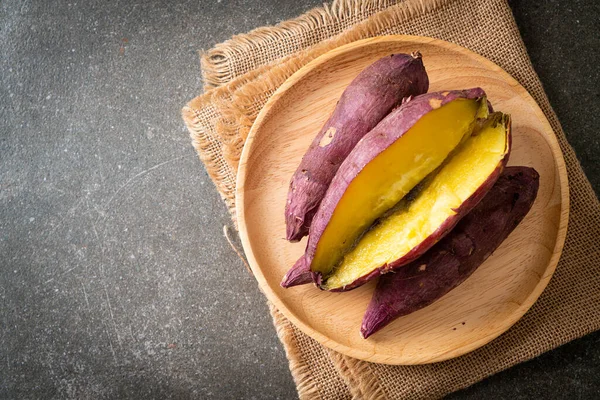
(323, 339)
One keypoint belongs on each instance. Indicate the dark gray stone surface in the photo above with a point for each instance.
(115, 278)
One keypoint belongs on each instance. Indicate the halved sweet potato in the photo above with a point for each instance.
(370, 96)
(405, 147)
(425, 216)
(447, 264)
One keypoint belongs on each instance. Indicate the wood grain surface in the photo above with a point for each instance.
(486, 304)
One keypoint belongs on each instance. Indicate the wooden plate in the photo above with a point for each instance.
(486, 304)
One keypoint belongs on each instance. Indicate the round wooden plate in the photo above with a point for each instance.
(486, 304)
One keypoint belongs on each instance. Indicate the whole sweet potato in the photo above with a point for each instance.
(369, 97)
(452, 260)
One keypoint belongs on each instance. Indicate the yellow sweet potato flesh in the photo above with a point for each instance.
(416, 219)
(392, 174)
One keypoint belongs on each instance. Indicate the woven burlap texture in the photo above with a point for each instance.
(228, 60)
(219, 122)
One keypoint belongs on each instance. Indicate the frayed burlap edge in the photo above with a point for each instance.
(220, 64)
(306, 387)
(208, 129)
(313, 381)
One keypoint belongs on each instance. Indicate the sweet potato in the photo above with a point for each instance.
(369, 97)
(407, 145)
(452, 260)
(299, 274)
(431, 211)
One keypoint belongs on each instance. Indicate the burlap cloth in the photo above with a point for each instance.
(242, 73)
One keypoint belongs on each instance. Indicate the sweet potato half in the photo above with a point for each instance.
(447, 264)
(369, 97)
(431, 211)
(405, 147)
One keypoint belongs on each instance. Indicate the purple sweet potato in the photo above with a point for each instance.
(299, 274)
(452, 260)
(365, 102)
(405, 147)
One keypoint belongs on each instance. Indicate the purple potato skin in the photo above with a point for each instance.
(299, 274)
(452, 260)
(390, 129)
(366, 101)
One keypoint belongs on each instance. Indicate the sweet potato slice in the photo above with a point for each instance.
(447, 264)
(385, 165)
(424, 217)
(369, 97)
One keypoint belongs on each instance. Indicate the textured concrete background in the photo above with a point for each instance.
(115, 279)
